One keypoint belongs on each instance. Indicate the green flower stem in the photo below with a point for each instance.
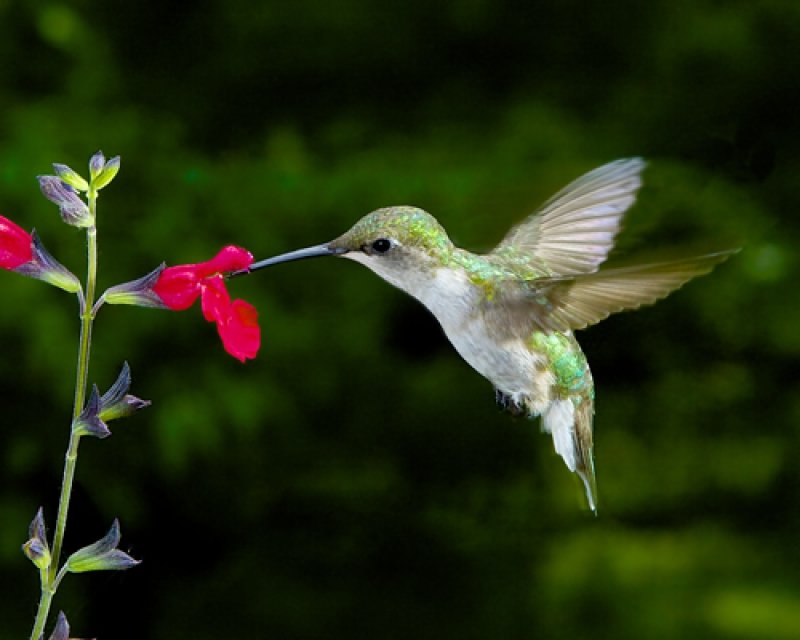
(52, 577)
(44, 605)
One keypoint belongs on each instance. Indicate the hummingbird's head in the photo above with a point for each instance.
(403, 245)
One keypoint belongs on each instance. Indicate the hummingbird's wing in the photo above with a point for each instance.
(573, 232)
(567, 303)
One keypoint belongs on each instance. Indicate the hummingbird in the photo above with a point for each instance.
(511, 313)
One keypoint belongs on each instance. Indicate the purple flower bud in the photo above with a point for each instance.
(37, 553)
(56, 190)
(96, 164)
(37, 528)
(73, 210)
(36, 548)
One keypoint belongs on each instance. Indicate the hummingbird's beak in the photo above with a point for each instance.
(299, 254)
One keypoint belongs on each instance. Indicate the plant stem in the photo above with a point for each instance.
(44, 606)
(80, 397)
(51, 578)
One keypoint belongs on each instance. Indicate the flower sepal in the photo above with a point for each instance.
(43, 266)
(88, 423)
(117, 402)
(103, 555)
(61, 630)
(140, 292)
(36, 548)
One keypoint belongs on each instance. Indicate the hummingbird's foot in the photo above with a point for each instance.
(507, 402)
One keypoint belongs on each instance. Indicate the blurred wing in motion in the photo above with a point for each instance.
(573, 232)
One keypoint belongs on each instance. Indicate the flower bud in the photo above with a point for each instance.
(72, 178)
(37, 553)
(96, 164)
(36, 548)
(73, 210)
(102, 171)
(107, 174)
(103, 555)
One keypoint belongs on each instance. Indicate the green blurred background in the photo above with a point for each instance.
(357, 480)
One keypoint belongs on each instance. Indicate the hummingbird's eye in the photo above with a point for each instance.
(381, 245)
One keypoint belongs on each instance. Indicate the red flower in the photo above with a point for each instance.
(15, 245)
(237, 321)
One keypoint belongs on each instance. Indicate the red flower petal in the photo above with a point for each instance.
(229, 258)
(178, 287)
(239, 330)
(214, 299)
(15, 245)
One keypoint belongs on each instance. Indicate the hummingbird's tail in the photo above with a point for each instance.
(569, 420)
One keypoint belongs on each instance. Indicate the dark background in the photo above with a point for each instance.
(356, 480)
